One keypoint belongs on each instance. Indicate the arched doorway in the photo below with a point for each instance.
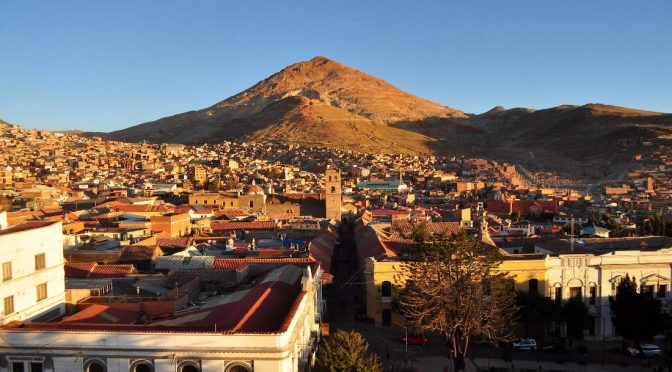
(387, 317)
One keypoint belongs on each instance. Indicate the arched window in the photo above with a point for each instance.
(95, 365)
(386, 289)
(189, 367)
(142, 366)
(251, 204)
(533, 286)
(333, 189)
(238, 367)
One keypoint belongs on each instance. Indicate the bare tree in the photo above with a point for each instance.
(453, 287)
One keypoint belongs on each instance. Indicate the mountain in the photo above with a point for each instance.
(571, 138)
(318, 101)
(325, 103)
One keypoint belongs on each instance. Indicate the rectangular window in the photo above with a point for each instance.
(558, 295)
(575, 292)
(662, 290)
(40, 262)
(593, 295)
(27, 367)
(41, 292)
(9, 305)
(7, 271)
(647, 290)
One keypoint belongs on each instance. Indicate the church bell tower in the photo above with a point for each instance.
(332, 183)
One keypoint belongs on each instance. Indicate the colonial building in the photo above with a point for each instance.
(32, 283)
(270, 326)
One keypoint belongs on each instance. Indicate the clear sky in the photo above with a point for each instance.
(107, 65)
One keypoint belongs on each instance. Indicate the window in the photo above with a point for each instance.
(593, 295)
(386, 289)
(662, 291)
(333, 189)
(40, 262)
(142, 366)
(9, 305)
(647, 291)
(238, 367)
(533, 286)
(558, 295)
(27, 366)
(95, 366)
(189, 367)
(7, 271)
(575, 292)
(251, 204)
(41, 292)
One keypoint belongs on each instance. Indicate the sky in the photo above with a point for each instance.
(108, 65)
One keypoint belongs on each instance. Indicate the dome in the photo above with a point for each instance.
(253, 190)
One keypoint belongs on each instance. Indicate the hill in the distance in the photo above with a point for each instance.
(326, 103)
(317, 101)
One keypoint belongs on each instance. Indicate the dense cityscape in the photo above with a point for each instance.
(344, 186)
(249, 255)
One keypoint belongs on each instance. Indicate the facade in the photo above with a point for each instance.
(333, 190)
(589, 270)
(171, 225)
(32, 283)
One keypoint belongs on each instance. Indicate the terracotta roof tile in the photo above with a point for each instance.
(78, 269)
(231, 226)
(111, 271)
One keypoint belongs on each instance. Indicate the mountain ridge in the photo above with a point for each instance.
(326, 103)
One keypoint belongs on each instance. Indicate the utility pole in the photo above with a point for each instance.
(571, 235)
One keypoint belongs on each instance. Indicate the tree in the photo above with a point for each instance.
(636, 316)
(453, 288)
(346, 351)
(575, 314)
(535, 308)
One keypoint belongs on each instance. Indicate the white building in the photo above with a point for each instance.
(32, 285)
(592, 268)
(269, 327)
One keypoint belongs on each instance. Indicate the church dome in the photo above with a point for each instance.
(253, 190)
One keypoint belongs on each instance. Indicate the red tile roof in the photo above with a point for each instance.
(26, 226)
(111, 271)
(101, 314)
(231, 226)
(389, 212)
(78, 269)
(240, 263)
(143, 208)
(137, 253)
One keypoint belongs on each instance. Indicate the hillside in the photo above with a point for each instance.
(569, 138)
(300, 104)
(325, 103)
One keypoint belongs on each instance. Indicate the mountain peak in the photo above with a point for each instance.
(318, 92)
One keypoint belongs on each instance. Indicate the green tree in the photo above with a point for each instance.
(636, 316)
(348, 352)
(453, 287)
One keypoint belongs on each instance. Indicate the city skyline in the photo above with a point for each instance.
(108, 67)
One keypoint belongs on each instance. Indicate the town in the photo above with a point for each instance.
(248, 256)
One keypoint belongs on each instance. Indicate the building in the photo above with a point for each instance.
(333, 190)
(171, 225)
(32, 284)
(270, 326)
